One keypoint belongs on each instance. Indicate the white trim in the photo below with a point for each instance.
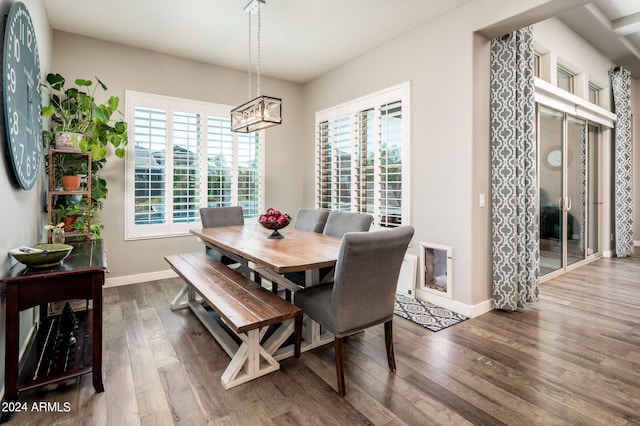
(472, 311)
(139, 278)
(556, 98)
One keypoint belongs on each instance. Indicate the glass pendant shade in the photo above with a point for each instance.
(257, 114)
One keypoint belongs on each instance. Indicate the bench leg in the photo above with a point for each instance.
(177, 302)
(250, 361)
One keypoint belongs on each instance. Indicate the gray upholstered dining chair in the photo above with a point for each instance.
(363, 293)
(339, 223)
(311, 219)
(212, 217)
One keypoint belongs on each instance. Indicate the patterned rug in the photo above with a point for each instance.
(425, 314)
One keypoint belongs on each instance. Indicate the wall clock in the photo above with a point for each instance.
(553, 157)
(22, 95)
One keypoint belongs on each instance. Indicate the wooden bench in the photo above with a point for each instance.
(246, 308)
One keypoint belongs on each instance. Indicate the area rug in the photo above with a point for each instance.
(427, 315)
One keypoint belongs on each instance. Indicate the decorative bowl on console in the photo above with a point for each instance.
(41, 255)
(274, 220)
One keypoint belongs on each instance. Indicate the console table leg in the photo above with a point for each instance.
(97, 333)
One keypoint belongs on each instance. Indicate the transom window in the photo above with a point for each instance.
(565, 79)
(362, 151)
(184, 157)
(594, 94)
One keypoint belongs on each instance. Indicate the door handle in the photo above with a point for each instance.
(569, 203)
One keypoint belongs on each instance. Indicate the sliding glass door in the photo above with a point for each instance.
(569, 188)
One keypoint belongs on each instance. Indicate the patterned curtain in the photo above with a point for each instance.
(621, 85)
(515, 227)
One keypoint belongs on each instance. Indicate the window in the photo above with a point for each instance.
(594, 94)
(565, 80)
(362, 151)
(184, 157)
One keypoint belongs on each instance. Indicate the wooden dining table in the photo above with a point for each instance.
(297, 251)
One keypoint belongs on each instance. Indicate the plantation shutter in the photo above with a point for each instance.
(342, 160)
(186, 165)
(391, 164)
(324, 191)
(361, 157)
(220, 164)
(149, 178)
(249, 173)
(365, 166)
(186, 157)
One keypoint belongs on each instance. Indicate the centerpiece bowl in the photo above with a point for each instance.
(274, 220)
(41, 255)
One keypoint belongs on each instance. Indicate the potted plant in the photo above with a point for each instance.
(74, 109)
(69, 171)
(69, 213)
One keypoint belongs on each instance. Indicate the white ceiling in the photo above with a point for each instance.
(612, 26)
(302, 39)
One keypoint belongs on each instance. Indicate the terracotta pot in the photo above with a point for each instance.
(68, 222)
(71, 183)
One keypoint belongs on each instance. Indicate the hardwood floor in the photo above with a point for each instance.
(572, 358)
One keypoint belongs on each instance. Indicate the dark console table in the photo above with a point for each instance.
(79, 276)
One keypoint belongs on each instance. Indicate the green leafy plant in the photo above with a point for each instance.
(74, 109)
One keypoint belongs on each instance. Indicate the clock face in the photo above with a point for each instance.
(22, 95)
(553, 158)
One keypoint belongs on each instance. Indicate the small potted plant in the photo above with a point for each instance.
(69, 214)
(57, 232)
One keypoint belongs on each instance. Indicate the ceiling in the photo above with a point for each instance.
(303, 39)
(613, 27)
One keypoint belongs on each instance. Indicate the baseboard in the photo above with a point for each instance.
(471, 311)
(139, 278)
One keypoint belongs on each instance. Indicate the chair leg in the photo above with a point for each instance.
(339, 364)
(297, 336)
(388, 339)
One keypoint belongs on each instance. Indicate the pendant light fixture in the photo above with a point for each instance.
(263, 111)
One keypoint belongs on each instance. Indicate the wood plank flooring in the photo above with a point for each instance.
(572, 358)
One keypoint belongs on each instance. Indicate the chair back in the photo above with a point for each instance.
(212, 217)
(311, 219)
(339, 223)
(366, 278)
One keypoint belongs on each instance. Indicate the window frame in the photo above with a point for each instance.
(205, 110)
(595, 91)
(569, 76)
(353, 109)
